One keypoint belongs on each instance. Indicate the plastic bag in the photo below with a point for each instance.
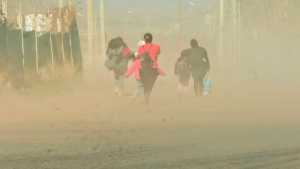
(207, 86)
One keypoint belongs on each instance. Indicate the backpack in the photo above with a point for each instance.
(113, 59)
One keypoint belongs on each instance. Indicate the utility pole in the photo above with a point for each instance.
(1, 5)
(60, 26)
(60, 3)
(70, 6)
(236, 42)
(239, 34)
(70, 3)
(235, 31)
(89, 60)
(51, 46)
(179, 15)
(36, 41)
(239, 41)
(19, 16)
(102, 34)
(20, 24)
(221, 35)
(4, 8)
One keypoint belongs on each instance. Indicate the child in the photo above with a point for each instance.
(182, 70)
(133, 70)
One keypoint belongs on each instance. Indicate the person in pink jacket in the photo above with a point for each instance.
(146, 68)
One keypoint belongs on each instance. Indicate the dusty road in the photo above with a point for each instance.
(86, 127)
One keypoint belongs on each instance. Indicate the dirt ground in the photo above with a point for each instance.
(84, 126)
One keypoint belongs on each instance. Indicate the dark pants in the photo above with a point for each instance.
(198, 82)
(149, 77)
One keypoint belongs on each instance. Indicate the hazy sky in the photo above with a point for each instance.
(155, 9)
(163, 4)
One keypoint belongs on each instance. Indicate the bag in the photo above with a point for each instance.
(114, 57)
(207, 85)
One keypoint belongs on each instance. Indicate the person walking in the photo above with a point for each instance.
(197, 59)
(146, 67)
(118, 56)
(183, 72)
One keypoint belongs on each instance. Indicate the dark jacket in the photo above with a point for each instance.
(197, 59)
(115, 61)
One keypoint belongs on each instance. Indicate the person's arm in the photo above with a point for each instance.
(159, 52)
(140, 51)
(131, 56)
(206, 59)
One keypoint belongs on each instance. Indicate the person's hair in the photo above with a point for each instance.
(194, 43)
(116, 43)
(148, 38)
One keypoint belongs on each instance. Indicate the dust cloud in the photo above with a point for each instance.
(249, 120)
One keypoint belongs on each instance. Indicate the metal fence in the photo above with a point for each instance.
(28, 48)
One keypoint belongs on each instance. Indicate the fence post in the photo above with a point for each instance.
(20, 20)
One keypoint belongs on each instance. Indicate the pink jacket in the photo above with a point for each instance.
(154, 51)
(134, 69)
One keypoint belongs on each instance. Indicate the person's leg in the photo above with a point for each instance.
(180, 89)
(122, 83)
(140, 88)
(149, 88)
(185, 84)
(201, 85)
(116, 89)
(185, 89)
(149, 79)
(118, 84)
(180, 86)
(138, 95)
(196, 85)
